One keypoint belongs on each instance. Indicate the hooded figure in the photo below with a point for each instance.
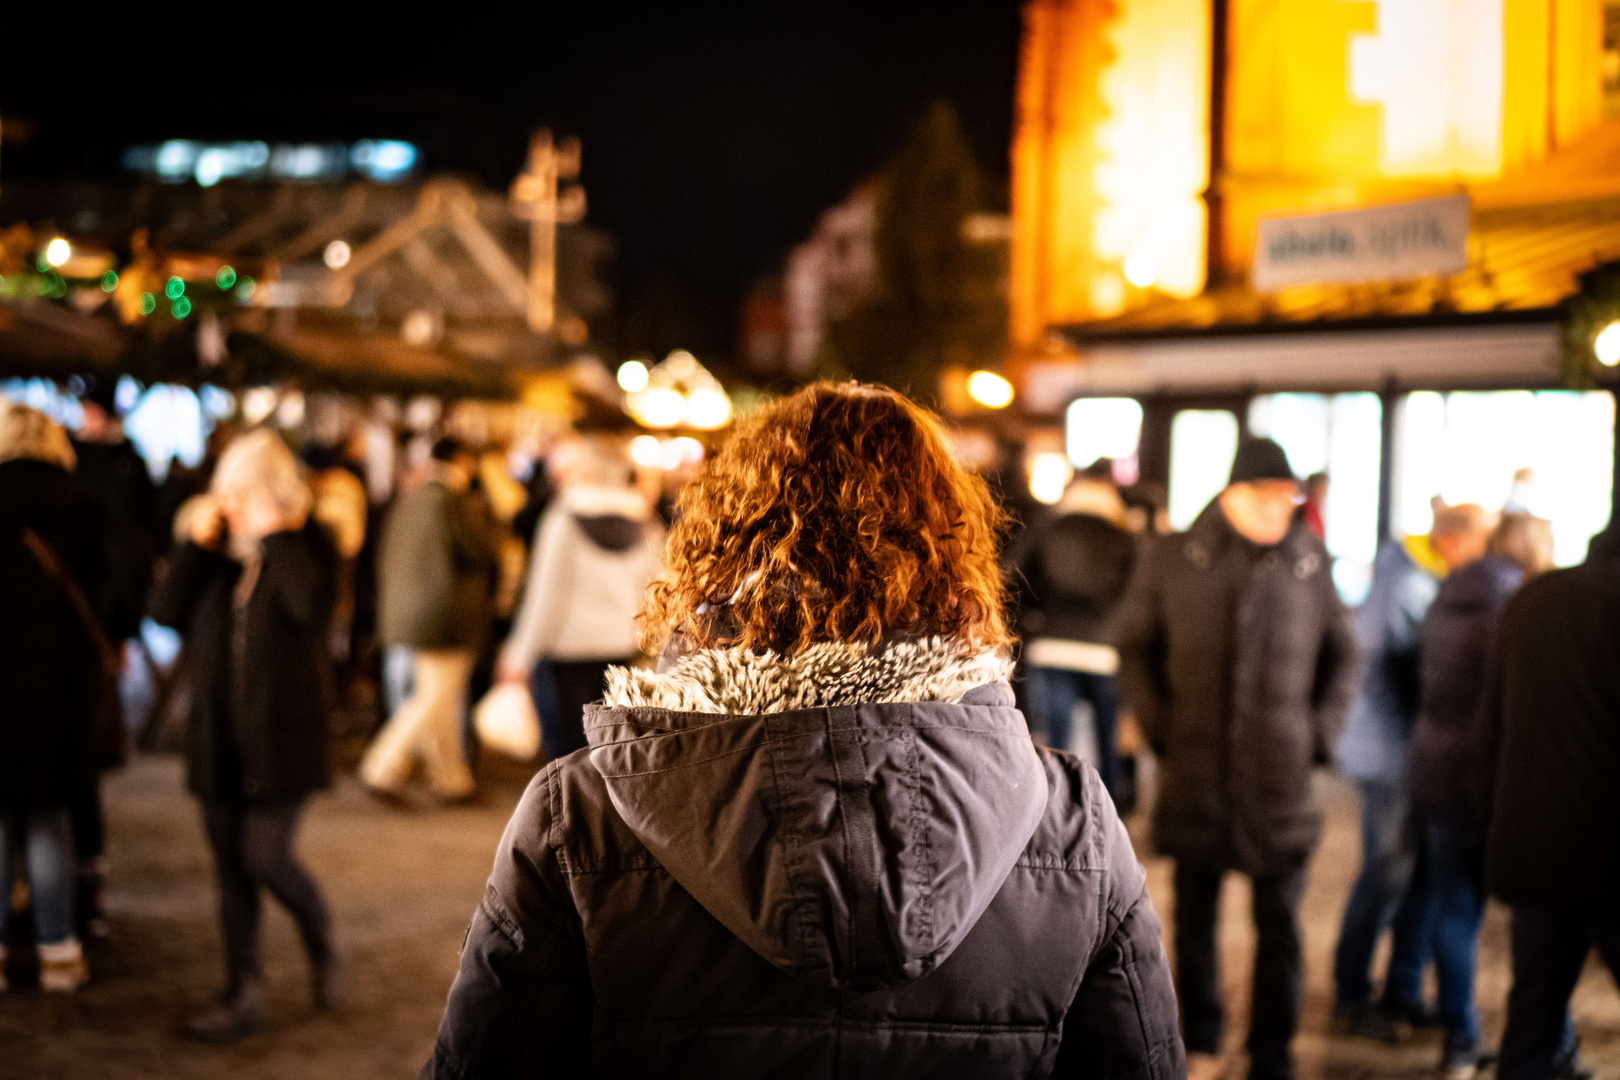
(596, 548)
(821, 842)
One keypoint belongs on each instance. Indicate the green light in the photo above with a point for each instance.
(181, 308)
(245, 289)
(57, 287)
(42, 264)
(148, 303)
(174, 288)
(109, 281)
(226, 277)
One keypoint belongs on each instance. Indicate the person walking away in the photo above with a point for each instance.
(1390, 892)
(115, 476)
(597, 547)
(51, 565)
(250, 586)
(435, 580)
(1074, 568)
(1455, 641)
(1239, 660)
(1549, 744)
(821, 842)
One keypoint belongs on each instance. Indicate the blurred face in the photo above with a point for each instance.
(1458, 549)
(1261, 510)
(250, 511)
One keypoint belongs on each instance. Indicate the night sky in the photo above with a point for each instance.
(713, 135)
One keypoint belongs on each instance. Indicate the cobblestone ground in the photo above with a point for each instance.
(403, 885)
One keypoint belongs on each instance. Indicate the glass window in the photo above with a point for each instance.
(1104, 427)
(1341, 435)
(1550, 452)
(1202, 442)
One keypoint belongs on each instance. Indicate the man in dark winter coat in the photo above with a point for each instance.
(1073, 569)
(1239, 660)
(1550, 752)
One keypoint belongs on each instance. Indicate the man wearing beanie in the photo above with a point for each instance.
(1239, 660)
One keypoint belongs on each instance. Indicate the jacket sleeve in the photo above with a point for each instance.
(1488, 731)
(540, 614)
(1141, 641)
(1338, 674)
(302, 582)
(521, 1004)
(1123, 1021)
(175, 595)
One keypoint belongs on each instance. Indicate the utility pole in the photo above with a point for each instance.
(536, 196)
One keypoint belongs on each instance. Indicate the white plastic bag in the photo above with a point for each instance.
(507, 723)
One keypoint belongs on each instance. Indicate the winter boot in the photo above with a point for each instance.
(62, 969)
(237, 1015)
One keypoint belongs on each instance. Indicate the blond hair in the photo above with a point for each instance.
(28, 434)
(260, 459)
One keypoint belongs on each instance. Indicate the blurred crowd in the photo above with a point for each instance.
(1473, 698)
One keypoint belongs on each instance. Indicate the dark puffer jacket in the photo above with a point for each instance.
(1444, 772)
(257, 734)
(1240, 663)
(47, 657)
(870, 890)
(1550, 740)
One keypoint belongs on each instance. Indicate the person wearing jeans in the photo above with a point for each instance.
(1456, 638)
(52, 571)
(1053, 694)
(1072, 571)
(596, 548)
(1392, 891)
(42, 840)
(1393, 878)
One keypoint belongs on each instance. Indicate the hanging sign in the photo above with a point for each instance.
(1379, 243)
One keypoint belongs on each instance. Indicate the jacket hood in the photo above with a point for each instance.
(848, 812)
(612, 518)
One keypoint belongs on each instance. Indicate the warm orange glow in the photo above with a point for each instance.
(1330, 104)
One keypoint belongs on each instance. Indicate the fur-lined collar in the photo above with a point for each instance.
(740, 683)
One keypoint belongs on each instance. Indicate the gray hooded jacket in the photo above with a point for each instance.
(846, 863)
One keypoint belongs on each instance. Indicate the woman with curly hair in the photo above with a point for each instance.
(818, 840)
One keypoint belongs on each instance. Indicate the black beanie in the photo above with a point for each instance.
(1260, 459)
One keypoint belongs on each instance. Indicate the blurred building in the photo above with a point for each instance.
(828, 273)
(1347, 224)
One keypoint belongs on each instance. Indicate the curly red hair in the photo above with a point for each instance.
(835, 515)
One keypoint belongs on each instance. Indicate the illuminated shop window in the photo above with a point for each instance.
(1340, 435)
(1104, 427)
(1550, 452)
(1202, 443)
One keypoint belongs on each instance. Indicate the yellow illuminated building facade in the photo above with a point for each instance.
(1311, 105)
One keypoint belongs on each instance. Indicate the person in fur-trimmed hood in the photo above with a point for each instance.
(820, 841)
